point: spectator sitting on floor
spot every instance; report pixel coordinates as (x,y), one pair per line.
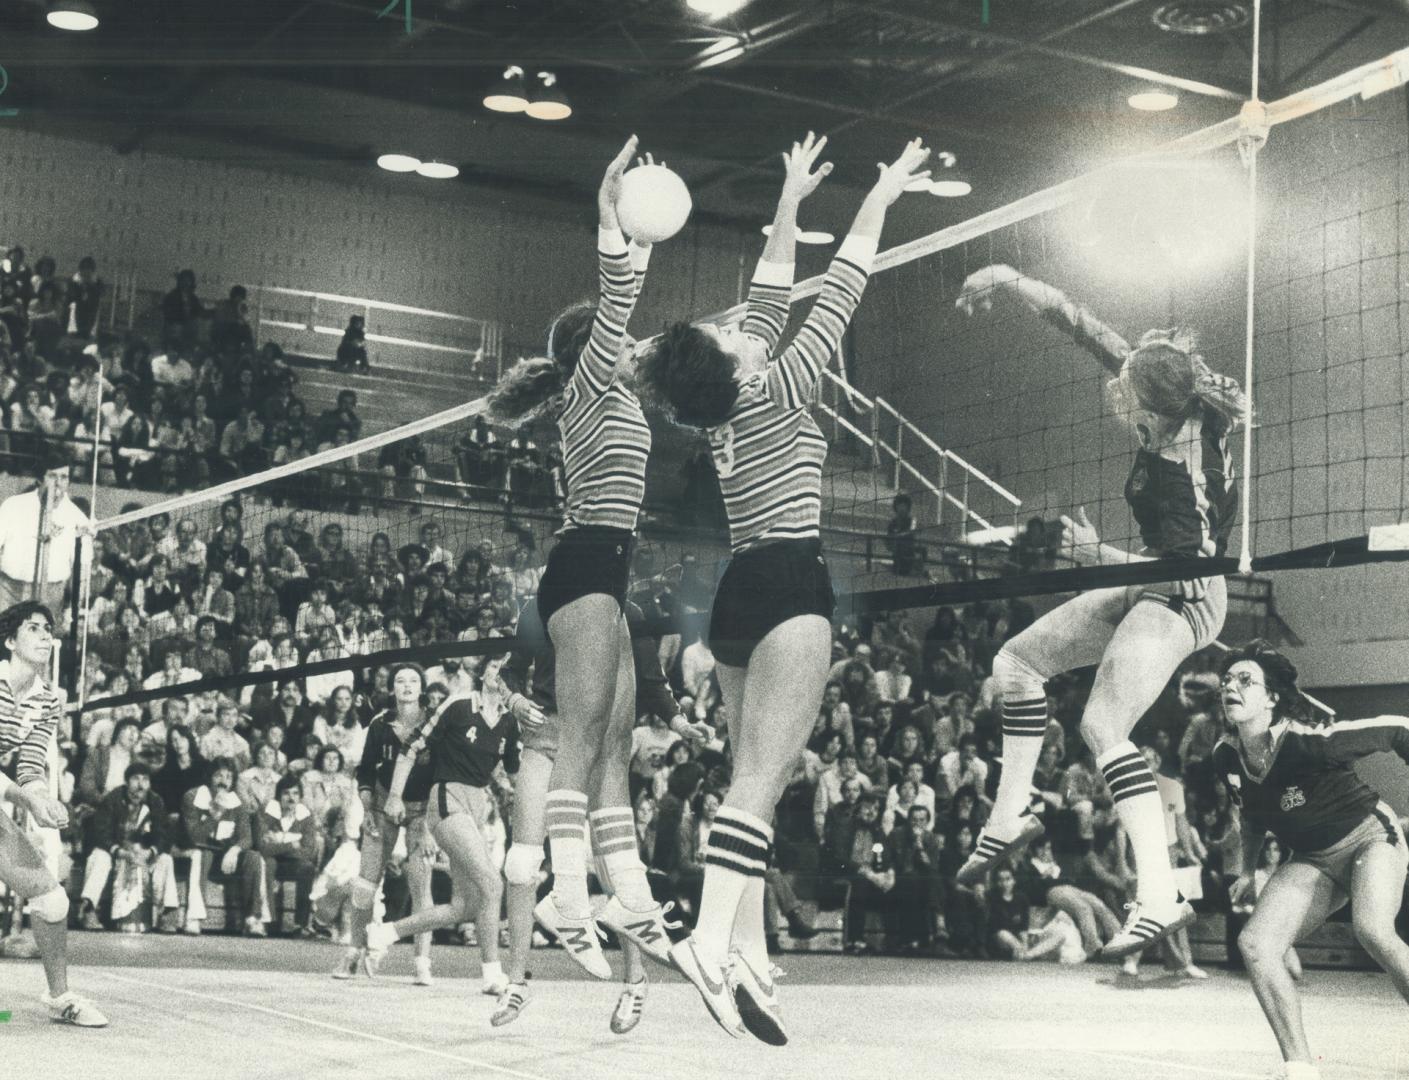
(916,853)
(130,845)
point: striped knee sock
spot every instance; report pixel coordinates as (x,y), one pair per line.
(749,934)
(566,816)
(614,841)
(1141,811)
(1024,726)
(736,853)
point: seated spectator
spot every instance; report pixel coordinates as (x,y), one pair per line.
(1041,878)
(896,806)
(258,785)
(900,538)
(219,827)
(870,764)
(158,592)
(256,604)
(227,554)
(130,849)
(223,741)
(345,732)
(106,765)
(173,672)
(83,298)
(320,687)
(183,769)
(829,788)
(151,748)
(181,310)
(343,414)
(893,682)
(315,615)
(916,853)
(172,373)
(215,602)
(352,349)
(1008,915)
(230,330)
(870,877)
(187,555)
(288,844)
(964,768)
(209,658)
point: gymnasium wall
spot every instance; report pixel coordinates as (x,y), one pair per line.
(439,245)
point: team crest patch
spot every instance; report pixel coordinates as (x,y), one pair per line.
(1292,798)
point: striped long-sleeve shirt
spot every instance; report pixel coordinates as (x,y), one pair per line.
(606,440)
(28,724)
(769,454)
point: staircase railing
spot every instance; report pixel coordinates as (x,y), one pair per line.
(896,444)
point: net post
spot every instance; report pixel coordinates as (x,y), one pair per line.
(943,488)
(1252,137)
(899,449)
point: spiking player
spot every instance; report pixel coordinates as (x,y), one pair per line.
(1297,781)
(1183,497)
(30,712)
(532,700)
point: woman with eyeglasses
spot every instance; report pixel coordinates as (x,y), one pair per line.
(1182,494)
(1297,781)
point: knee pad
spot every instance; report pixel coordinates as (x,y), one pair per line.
(522,863)
(52,907)
(1015,676)
(364,894)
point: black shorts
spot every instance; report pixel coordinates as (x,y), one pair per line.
(584,561)
(764,587)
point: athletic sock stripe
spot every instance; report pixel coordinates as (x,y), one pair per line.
(610,812)
(737,845)
(567,795)
(1125,769)
(1026,707)
(608,847)
(1131,792)
(614,831)
(763,835)
(725,861)
(730,828)
(1023,730)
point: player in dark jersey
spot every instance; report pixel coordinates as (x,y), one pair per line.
(528,678)
(1297,781)
(467,738)
(387,734)
(30,712)
(1182,494)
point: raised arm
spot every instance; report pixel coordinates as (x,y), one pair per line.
(618,285)
(1346,740)
(1051,304)
(793,378)
(770,292)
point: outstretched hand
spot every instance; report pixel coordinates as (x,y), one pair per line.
(1080,541)
(801,180)
(903,171)
(610,190)
(980,287)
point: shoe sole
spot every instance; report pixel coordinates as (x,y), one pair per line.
(620,1030)
(970,873)
(691,971)
(761,1023)
(1121,952)
(495,1021)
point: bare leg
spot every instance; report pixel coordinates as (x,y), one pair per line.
(474,878)
(1069,899)
(1376,889)
(1296,901)
(530,789)
(23,871)
(418,880)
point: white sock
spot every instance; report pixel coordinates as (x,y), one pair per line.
(737,851)
(614,841)
(748,934)
(1024,728)
(566,814)
(1141,812)
(491,971)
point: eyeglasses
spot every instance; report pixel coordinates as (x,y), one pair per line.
(1243,678)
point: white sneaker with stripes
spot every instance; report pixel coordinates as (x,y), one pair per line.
(1147,924)
(648,929)
(627,1013)
(996,843)
(71,1008)
(578,937)
(512,1001)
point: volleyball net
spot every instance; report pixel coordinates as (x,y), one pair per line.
(994,422)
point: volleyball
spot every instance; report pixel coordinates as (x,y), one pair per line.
(654,204)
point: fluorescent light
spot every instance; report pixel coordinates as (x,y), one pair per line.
(1153,100)
(72,15)
(816,236)
(399,163)
(716,9)
(437,170)
(721,52)
(952,188)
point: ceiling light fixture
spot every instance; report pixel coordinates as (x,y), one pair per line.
(72,15)
(549,102)
(1155,99)
(437,170)
(508,95)
(716,9)
(730,47)
(399,163)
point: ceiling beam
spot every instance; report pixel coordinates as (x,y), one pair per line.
(1323,54)
(929,22)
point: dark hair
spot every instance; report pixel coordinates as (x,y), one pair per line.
(137,768)
(526,388)
(286,783)
(14,616)
(690,376)
(223,763)
(204,621)
(329,748)
(684,779)
(1279,673)
(121,726)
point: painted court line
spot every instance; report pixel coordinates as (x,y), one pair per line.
(1137,1060)
(430,1051)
